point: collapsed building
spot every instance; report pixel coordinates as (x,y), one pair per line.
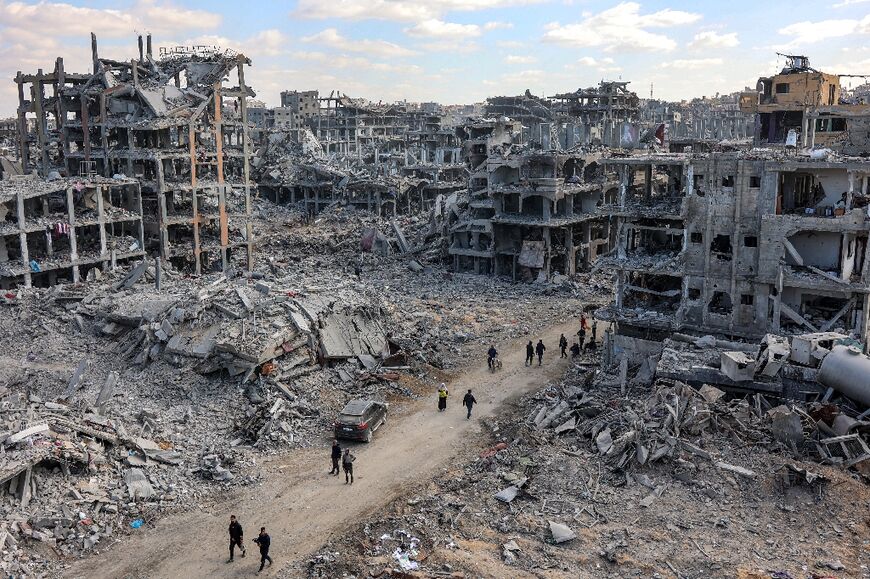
(168,122)
(802,106)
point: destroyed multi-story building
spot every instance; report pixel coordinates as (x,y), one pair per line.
(167,121)
(802,106)
(738,244)
(60,230)
(700,119)
(597,114)
(530,213)
(433,158)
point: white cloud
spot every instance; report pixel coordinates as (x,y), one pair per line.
(434,28)
(333,39)
(692,63)
(515,59)
(807,32)
(449,46)
(712,39)
(621,28)
(265,43)
(61,19)
(590,61)
(498,25)
(845,3)
(354,62)
(510,44)
(401,10)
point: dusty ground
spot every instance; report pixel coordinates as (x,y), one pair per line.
(303,507)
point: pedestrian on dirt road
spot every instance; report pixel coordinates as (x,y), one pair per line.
(491,355)
(236,537)
(540,348)
(347,465)
(530,353)
(581,335)
(442,397)
(584,323)
(468,401)
(594,330)
(575,350)
(336,456)
(264,541)
(563,345)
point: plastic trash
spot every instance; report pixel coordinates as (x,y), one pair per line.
(137,523)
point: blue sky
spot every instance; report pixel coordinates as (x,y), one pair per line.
(455,51)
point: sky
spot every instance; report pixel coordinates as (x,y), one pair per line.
(454,51)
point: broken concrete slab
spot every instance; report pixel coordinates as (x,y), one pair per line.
(561,533)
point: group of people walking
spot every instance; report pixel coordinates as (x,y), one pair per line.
(263,541)
(575,349)
(468,401)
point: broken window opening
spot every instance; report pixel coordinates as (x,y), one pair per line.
(720,304)
(696,237)
(721,247)
(747,299)
(728,181)
(694,293)
(782,88)
(754,181)
(750,241)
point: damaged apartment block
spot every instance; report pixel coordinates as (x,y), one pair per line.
(169,123)
(67,230)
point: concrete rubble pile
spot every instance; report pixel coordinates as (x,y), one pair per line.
(588,481)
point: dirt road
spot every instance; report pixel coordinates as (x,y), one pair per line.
(302,506)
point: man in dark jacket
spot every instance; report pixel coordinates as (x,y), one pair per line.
(336,456)
(575,350)
(468,401)
(491,356)
(563,345)
(540,350)
(236,537)
(530,353)
(264,541)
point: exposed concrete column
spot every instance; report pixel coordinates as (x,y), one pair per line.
(22,239)
(36,91)
(246,151)
(623,184)
(164,215)
(101,221)
(74,253)
(804,124)
(197,249)
(850,193)
(222,204)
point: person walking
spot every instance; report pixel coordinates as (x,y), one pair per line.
(442,397)
(563,345)
(491,355)
(584,323)
(594,329)
(540,348)
(264,541)
(347,465)
(236,537)
(530,353)
(468,401)
(336,456)
(581,335)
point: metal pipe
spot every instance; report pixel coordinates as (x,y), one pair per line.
(847,371)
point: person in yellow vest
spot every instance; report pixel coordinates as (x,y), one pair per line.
(442,397)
